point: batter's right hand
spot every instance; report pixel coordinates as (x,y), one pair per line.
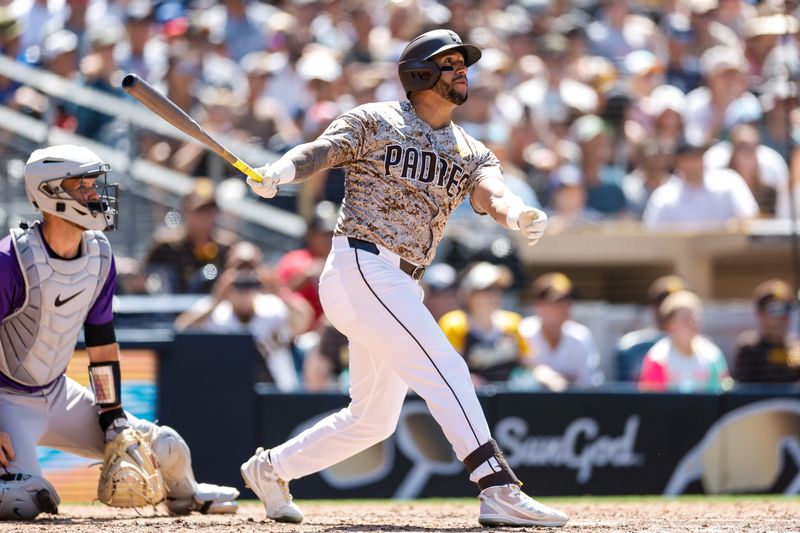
(268,187)
(6,450)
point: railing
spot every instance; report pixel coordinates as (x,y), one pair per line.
(141,177)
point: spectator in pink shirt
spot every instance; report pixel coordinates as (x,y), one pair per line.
(684,360)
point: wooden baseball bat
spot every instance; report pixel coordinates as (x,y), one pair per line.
(166,109)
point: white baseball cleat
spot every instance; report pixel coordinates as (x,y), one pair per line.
(507,505)
(259,475)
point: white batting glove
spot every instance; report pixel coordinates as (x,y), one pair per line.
(268,187)
(532,223)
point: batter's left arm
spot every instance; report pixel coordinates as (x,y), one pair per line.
(493,197)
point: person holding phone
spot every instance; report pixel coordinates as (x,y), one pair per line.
(247,298)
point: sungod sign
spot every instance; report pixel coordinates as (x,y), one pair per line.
(581,447)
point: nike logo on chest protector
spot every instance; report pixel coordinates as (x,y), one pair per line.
(60,302)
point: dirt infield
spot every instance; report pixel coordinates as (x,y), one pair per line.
(708,516)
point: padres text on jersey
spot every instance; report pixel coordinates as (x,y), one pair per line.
(403,177)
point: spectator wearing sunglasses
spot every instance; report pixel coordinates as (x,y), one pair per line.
(767,355)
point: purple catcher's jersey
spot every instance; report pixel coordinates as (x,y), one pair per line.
(12,288)
(403,177)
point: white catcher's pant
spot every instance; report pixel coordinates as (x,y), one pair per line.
(395,344)
(62,417)
(65,417)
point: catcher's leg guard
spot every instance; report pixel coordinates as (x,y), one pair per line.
(184,493)
(24,496)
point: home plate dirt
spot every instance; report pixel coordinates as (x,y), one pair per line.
(763,515)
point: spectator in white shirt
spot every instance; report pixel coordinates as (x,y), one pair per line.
(564,352)
(761,167)
(724,71)
(245,299)
(697,197)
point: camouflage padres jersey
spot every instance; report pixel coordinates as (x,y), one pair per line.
(403,177)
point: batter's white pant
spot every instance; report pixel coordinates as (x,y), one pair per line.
(395,344)
(62,417)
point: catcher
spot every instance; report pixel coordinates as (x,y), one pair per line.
(55,277)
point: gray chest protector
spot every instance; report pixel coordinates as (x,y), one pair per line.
(37,340)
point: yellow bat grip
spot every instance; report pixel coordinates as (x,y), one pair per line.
(248,170)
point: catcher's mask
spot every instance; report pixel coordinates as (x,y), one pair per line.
(48,169)
(416,69)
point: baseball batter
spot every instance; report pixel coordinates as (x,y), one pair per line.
(408,167)
(57,277)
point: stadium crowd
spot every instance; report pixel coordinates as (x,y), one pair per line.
(677,113)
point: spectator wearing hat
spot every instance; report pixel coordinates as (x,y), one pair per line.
(665,108)
(322,73)
(779,100)
(60,53)
(10,38)
(645,72)
(564,351)
(723,70)
(762,168)
(485,335)
(631,348)
(263,117)
(188,258)
(767,354)
(98,70)
(696,197)
(246,298)
(60,56)
(761,35)
(441,289)
(597,72)
(684,360)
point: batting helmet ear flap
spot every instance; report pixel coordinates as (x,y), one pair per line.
(417,71)
(418,74)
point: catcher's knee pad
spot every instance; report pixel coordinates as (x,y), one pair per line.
(184,493)
(174,457)
(174,461)
(24,496)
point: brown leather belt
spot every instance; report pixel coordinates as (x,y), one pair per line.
(411,269)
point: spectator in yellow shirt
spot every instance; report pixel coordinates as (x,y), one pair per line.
(484,334)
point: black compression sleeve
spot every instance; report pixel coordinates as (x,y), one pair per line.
(99,334)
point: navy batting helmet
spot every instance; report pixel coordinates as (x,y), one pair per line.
(417,71)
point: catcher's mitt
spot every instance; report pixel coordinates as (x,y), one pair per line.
(130,476)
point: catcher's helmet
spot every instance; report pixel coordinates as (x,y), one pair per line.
(47,168)
(416,70)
